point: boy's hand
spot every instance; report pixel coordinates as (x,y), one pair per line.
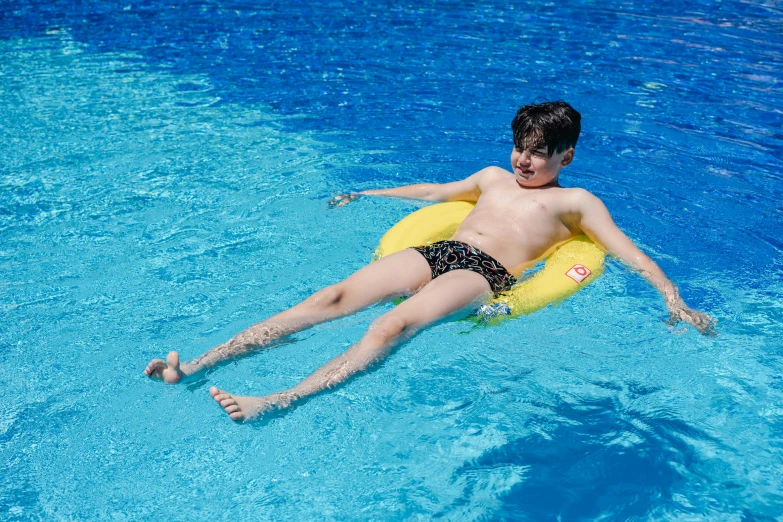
(343,199)
(703,322)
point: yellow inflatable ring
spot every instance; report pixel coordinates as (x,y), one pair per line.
(574,265)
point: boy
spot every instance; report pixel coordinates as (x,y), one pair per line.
(519,218)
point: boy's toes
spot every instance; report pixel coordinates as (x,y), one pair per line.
(221,397)
(167,370)
(172,373)
(154,368)
(228,403)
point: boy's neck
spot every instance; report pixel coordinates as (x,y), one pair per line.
(555,183)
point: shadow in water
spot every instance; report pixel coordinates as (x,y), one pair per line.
(599,462)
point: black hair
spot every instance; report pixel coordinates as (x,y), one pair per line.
(553,124)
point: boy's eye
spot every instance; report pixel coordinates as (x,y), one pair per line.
(539,153)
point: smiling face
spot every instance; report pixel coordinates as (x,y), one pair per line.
(534,168)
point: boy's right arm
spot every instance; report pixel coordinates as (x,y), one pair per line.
(468,189)
(597,223)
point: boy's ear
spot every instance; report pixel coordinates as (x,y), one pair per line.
(567,158)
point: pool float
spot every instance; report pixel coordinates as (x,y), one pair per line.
(571,267)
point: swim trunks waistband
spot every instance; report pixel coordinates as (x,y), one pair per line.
(445,256)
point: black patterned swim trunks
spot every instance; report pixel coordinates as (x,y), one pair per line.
(445,256)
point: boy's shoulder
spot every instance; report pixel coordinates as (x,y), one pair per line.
(576,199)
(490,177)
(582,201)
(577,192)
(493,170)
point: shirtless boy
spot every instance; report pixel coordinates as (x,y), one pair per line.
(519,218)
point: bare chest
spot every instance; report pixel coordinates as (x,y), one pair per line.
(531,210)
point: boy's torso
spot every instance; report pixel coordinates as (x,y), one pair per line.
(519,226)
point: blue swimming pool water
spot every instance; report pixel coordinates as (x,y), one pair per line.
(164,173)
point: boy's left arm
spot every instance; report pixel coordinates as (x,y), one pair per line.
(597,223)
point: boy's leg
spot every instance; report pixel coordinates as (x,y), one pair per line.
(398,274)
(440,298)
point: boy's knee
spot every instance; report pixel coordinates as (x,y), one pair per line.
(389,326)
(329,297)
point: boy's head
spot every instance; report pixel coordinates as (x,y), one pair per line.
(544,138)
(554,126)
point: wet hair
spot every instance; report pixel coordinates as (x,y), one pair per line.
(553,124)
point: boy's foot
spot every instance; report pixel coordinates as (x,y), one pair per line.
(169,371)
(243,409)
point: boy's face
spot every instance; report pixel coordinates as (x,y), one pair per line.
(533,168)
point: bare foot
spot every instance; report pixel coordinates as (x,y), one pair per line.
(243,409)
(169,371)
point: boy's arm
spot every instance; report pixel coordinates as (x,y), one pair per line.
(468,189)
(597,223)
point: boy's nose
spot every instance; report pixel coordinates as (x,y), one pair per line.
(524,157)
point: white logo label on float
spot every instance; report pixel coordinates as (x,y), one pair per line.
(579,273)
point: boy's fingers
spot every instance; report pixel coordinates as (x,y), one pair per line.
(342,199)
(702,322)
(709,330)
(705,324)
